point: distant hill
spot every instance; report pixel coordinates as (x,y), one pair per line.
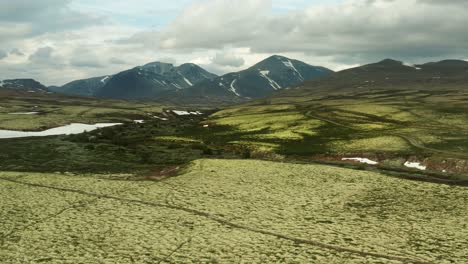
(22,86)
(263,79)
(29,85)
(388,74)
(85,87)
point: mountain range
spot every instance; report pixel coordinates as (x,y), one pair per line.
(276,75)
(261,80)
(164,81)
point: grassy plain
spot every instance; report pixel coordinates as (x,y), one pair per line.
(55,110)
(224,211)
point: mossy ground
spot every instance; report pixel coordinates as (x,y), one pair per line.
(89,218)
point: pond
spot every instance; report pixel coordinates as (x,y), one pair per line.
(74,128)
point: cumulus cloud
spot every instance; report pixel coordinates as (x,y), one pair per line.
(32,17)
(226,59)
(56,42)
(225,21)
(16,52)
(42,55)
(353,31)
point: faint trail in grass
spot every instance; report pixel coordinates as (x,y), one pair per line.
(309,114)
(224,222)
(418,144)
(166,259)
(42,220)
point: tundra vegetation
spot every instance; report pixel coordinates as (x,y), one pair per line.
(220,211)
(195,186)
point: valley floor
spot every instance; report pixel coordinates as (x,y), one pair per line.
(225,211)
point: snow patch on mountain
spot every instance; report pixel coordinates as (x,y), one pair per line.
(290,65)
(187,81)
(233,89)
(103,80)
(272,82)
(411,65)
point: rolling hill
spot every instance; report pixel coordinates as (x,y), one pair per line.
(29,85)
(388,74)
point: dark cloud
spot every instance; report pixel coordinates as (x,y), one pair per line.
(16,52)
(226,59)
(3,54)
(41,55)
(117,61)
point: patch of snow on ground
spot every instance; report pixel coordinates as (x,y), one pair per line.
(180,113)
(415,165)
(233,89)
(188,82)
(272,82)
(290,65)
(160,118)
(24,113)
(103,80)
(362,160)
(177,86)
(74,128)
(139,121)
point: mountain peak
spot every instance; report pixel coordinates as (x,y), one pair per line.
(262,79)
(390,62)
(158,67)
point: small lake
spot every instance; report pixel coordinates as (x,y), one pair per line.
(74,128)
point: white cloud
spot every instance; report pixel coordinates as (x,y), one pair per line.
(86,38)
(228,59)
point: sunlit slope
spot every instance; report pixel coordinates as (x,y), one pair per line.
(390,128)
(232,211)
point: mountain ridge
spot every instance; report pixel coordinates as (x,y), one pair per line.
(260,80)
(388,74)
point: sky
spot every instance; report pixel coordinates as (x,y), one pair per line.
(57,41)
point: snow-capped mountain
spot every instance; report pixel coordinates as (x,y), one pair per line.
(142,82)
(150,80)
(262,79)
